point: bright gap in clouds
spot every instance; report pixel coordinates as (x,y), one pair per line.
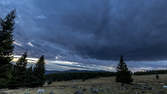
(61,65)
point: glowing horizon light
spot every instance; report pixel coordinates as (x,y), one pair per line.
(62,62)
(30,60)
(68,65)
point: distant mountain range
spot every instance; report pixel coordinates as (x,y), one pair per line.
(72,71)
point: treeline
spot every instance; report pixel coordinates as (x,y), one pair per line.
(32,76)
(65,76)
(150,72)
(123,74)
(16,75)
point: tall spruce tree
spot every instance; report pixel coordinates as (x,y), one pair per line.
(29,77)
(39,71)
(123,75)
(6,47)
(20,73)
(13,83)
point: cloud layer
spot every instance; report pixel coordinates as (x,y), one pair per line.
(100,29)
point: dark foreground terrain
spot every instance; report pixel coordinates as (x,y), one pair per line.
(142,85)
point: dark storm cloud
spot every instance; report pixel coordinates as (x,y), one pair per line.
(107,29)
(101,29)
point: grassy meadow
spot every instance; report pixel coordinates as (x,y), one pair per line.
(146,84)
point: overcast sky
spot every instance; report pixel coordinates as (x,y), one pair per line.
(97,29)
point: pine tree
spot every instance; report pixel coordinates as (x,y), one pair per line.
(29,76)
(21,70)
(13,83)
(22,62)
(39,71)
(6,47)
(123,75)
